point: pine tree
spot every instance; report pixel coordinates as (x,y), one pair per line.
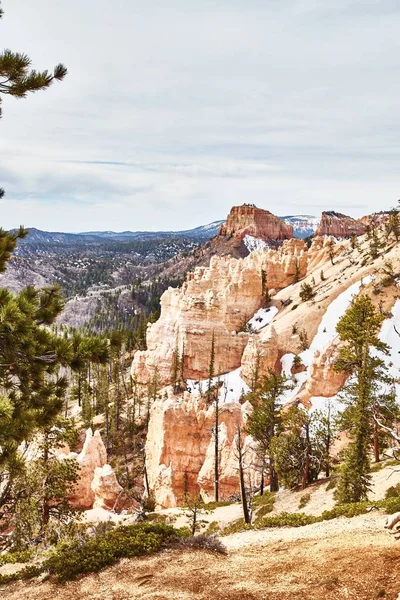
(393,223)
(17,79)
(263,423)
(211,367)
(296,450)
(331,250)
(359,328)
(326,421)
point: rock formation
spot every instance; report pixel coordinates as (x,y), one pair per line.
(105,488)
(250,220)
(215,302)
(339,225)
(97,482)
(180,448)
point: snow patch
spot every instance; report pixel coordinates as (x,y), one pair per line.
(252,243)
(287,364)
(262,317)
(233,386)
(325,335)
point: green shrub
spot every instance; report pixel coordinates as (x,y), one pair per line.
(266,498)
(27,572)
(304,500)
(332,484)
(391,505)
(306,292)
(377,467)
(89,555)
(212,528)
(265,510)
(286,519)
(16,557)
(346,510)
(214,505)
(235,527)
(393,491)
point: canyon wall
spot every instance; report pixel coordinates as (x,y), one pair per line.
(250,220)
(339,225)
(180,448)
(215,303)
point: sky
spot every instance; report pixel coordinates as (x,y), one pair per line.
(173,112)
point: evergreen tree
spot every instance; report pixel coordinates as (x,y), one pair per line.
(263,423)
(17,79)
(326,421)
(296,450)
(359,328)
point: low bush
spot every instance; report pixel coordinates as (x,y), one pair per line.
(393,491)
(304,500)
(266,498)
(214,505)
(27,572)
(265,510)
(285,519)
(346,510)
(16,557)
(235,527)
(73,559)
(391,505)
(212,528)
(332,484)
(210,543)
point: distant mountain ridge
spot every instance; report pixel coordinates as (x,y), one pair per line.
(303,226)
(200,234)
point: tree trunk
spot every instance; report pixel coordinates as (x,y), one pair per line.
(273,476)
(376,442)
(306,471)
(216,450)
(246,513)
(262,477)
(45,500)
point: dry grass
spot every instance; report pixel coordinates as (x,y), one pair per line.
(361,564)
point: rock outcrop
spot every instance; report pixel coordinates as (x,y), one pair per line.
(105,488)
(339,225)
(215,303)
(180,448)
(97,482)
(256,222)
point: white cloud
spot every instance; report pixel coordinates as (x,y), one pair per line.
(173,112)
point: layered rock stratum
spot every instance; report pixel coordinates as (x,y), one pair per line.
(256,222)
(339,225)
(227,302)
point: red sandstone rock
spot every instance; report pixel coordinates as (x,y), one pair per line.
(339,225)
(250,220)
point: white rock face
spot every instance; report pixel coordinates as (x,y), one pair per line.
(105,487)
(92,455)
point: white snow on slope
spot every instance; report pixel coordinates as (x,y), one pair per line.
(233,386)
(326,334)
(389,336)
(252,243)
(262,317)
(287,364)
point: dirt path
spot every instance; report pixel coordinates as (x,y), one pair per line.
(341,559)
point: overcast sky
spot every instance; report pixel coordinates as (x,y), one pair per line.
(173,112)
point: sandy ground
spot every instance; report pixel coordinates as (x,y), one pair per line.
(342,559)
(286,501)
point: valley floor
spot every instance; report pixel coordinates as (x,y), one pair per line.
(340,559)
